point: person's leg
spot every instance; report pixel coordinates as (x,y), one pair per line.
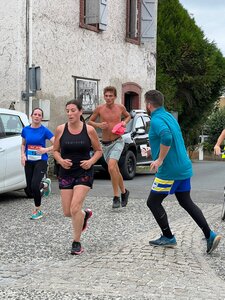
(195,212)
(72,202)
(116,177)
(77,214)
(40,168)
(112,155)
(29,168)
(184,199)
(154,203)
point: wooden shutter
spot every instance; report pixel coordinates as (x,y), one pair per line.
(103,15)
(148,19)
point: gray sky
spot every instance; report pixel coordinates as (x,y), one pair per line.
(209,15)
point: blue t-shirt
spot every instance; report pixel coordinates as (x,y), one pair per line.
(36,138)
(165,130)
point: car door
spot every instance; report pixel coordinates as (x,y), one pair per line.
(2,154)
(141,138)
(12,172)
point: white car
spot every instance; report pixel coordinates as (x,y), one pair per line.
(12,175)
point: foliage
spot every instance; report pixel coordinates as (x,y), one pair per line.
(214,126)
(190,69)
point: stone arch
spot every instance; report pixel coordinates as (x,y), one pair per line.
(131,95)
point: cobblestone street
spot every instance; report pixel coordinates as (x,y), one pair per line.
(118,262)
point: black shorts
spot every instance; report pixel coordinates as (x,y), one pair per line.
(68,182)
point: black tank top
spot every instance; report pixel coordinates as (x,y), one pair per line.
(76,147)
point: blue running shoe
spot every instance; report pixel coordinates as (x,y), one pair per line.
(47,186)
(163,241)
(37,214)
(212,242)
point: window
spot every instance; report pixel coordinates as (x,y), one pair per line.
(147,123)
(93,14)
(10,125)
(133,21)
(139,123)
(141,21)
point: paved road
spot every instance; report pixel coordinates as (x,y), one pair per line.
(118,262)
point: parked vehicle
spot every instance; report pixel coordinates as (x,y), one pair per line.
(135,137)
(12,175)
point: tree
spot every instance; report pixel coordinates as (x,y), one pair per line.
(190,69)
(213,127)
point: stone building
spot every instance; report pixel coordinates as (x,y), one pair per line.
(81,46)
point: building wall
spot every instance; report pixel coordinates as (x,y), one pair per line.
(12,51)
(62,49)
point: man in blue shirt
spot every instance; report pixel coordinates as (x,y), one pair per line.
(173,172)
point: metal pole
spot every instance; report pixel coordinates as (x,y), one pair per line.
(27,56)
(30,49)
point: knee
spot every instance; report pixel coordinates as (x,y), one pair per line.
(111,169)
(74,210)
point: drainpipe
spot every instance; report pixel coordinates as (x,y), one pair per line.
(28,54)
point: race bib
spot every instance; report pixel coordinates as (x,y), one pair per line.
(32,153)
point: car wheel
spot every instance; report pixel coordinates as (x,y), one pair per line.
(128,166)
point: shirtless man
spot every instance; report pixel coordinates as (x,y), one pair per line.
(109,115)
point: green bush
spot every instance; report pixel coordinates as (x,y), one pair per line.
(214,126)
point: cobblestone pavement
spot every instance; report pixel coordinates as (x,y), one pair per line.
(118,262)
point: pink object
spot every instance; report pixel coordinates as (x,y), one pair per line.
(119,129)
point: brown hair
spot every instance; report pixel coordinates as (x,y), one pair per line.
(38,109)
(78,105)
(110,89)
(154,97)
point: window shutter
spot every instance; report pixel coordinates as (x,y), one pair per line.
(92,12)
(103,15)
(148,19)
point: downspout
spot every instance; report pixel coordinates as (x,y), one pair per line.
(30,47)
(28,54)
(27,57)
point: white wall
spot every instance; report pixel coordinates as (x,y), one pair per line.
(12,51)
(62,49)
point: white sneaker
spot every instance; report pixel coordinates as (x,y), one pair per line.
(47,186)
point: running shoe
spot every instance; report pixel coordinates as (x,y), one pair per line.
(124,198)
(88,215)
(116,202)
(37,214)
(164,241)
(47,186)
(76,248)
(212,242)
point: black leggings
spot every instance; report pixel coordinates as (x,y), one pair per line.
(34,172)
(155,200)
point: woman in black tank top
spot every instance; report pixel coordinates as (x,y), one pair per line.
(74,142)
